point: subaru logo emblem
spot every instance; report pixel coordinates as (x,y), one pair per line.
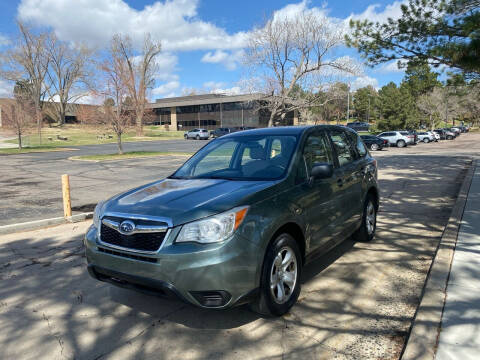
(127,227)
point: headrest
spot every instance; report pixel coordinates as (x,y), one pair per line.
(257,153)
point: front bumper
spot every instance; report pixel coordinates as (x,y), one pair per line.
(211,276)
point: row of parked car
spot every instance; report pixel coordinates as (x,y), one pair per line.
(203,134)
(404,138)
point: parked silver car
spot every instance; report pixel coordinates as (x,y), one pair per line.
(425,137)
(398,138)
(199,134)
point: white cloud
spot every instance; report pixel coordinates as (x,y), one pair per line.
(229,59)
(6,89)
(166,88)
(4,40)
(363,81)
(209,85)
(235,90)
(390,67)
(392,11)
(173,22)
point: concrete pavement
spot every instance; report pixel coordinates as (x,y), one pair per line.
(460,327)
(357,302)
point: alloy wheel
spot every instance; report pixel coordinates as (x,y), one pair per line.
(283,275)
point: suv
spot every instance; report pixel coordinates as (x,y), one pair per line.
(237,222)
(397,138)
(426,137)
(197,134)
(445,134)
(219,132)
(358,126)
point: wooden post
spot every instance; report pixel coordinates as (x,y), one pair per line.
(67,207)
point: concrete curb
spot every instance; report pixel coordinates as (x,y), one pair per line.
(39,224)
(425,330)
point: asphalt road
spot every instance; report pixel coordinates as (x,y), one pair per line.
(357,302)
(30,184)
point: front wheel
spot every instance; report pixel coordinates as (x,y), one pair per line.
(280,281)
(197,137)
(426,140)
(374,147)
(366,231)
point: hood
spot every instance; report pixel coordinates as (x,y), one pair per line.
(184,200)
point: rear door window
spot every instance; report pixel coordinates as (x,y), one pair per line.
(317,149)
(345,153)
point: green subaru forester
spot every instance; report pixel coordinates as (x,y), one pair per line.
(238,221)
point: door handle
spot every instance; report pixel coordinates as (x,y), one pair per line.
(340,182)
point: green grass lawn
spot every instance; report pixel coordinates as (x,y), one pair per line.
(128,155)
(13,151)
(78,135)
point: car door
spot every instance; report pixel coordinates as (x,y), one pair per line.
(316,199)
(349,181)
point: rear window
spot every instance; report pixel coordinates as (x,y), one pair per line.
(404,132)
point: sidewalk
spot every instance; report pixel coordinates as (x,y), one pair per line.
(460,327)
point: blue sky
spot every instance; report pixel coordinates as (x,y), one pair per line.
(202,39)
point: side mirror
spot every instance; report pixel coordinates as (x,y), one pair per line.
(321,171)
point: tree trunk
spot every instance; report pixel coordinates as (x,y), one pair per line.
(119,143)
(272,116)
(139,124)
(19,140)
(38,113)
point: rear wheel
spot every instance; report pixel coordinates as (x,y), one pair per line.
(280,281)
(374,147)
(449,137)
(366,231)
(426,140)
(198,137)
(401,143)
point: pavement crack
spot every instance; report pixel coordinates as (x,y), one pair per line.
(56,335)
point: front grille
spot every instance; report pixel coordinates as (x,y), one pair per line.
(128,256)
(140,241)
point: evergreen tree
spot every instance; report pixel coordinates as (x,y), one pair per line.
(438,31)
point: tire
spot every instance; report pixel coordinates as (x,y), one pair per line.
(185,136)
(366,231)
(197,137)
(268,302)
(449,137)
(401,143)
(374,147)
(426,140)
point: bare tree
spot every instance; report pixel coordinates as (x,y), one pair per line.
(292,52)
(67,74)
(20,117)
(27,62)
(431,104)
(140,71)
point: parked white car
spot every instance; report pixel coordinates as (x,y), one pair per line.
(425,137)
(435,135)
(397,138)
(197,134)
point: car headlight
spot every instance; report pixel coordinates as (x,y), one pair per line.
(96,214)
(213,229)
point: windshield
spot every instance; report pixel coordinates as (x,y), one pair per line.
(264,157)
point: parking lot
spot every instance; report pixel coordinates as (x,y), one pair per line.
(357,301)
